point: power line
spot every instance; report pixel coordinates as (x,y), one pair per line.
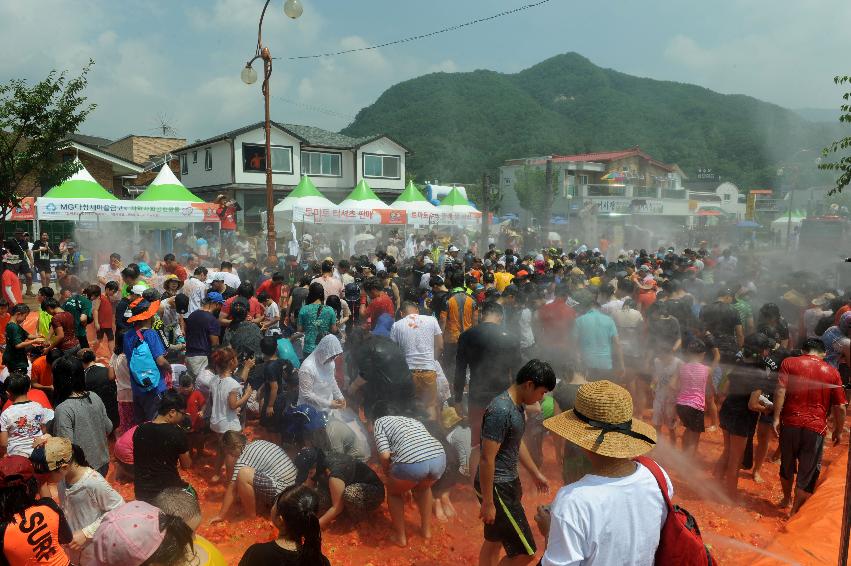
(314,108)
(417,37)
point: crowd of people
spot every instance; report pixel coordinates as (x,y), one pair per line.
(321,388)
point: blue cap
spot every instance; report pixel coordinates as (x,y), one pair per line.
(215,297)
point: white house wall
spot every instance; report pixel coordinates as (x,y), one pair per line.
(220,174)
(383,146)
(258,136)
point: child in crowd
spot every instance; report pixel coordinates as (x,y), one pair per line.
(44,317)
(691,394)
(666,368)
(124,392)
(105,314)
(21,511)
(271,325)
(24,420)
(41,369)
(84,495)
(299,537)
(195,403)
(225,398)
(18,340)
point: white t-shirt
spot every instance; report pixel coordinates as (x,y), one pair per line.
(196,290)
(273,311)
(23,422)
(230,279)
(612,306)
(604,521)
(415,335)
(222,417)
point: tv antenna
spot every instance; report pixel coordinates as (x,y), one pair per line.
(164,126)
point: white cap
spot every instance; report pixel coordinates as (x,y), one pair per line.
(138,289)
(453,248)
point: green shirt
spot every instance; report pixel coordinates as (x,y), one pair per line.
(79,305)
(745,311)
(15,358)
(316,324)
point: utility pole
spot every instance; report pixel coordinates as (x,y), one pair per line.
(486,189)
(546,217)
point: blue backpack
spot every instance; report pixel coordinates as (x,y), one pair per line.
(143,367)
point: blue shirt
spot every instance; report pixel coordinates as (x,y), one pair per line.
(287,352)
(158,349)
(593,333)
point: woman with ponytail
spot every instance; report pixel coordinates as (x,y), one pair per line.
(299,541)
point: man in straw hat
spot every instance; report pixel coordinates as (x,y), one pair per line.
(497,481)
(614,514)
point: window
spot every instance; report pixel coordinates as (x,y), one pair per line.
(321,163)
(208,159)
(726,196)
(384,166)
(184,166)
(254,158)
(583,179)
(195,156)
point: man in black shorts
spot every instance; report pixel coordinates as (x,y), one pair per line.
(497,480)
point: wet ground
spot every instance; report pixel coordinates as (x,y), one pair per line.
(737,533)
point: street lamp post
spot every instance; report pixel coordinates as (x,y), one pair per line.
(293,9)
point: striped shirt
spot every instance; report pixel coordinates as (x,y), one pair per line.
(270,460)
(406,439)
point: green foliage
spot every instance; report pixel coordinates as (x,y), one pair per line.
(35,122)
(531,188)
(460,125)
(843,164)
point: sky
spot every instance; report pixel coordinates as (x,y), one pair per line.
(179,61)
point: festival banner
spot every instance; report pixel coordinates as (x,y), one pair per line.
(125,210)
(24,211)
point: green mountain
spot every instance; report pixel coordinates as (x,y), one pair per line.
(459,125)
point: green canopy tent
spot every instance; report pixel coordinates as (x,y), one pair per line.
(362,198)
(412,199)
(167,187)
(80,185)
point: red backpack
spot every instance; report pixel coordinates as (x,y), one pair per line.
(680,543)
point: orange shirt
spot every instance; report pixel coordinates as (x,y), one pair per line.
(10,279)
(41,372)
(36,535)
(452,329)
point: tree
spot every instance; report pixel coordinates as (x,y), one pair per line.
(35,122)
(843,164)
(530,184)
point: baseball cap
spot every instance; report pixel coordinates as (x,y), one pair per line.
(15,470)
(128,535)
(522,273)
(138,289)
(51,455)
(215,297)
(453,248)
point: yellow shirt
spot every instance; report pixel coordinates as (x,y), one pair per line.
(502,279)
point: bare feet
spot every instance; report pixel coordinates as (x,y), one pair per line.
(399,540)
(711,428)
(426,533)
(440,514)
(758,478)
(449,509)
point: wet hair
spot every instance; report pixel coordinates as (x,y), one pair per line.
(813,345)
(297,508)
(343,264)
(16,498)
(110,286)
(200,270)
(226,265)
(263,296)
(456,279)
(407,304)
(169,257)
(245,289)
(181,303)
(492,308)
(769,311)
(119,344)
(68,376)
(78,456)
(20,308)
(540,373)
(277,277)
(171,400)
(232,439)
(48,292)
(114,256)
(221,358)
(627,286)
(316,292)
(17,384)
(87,355)
(327,266)
(186,380)
(305,280)
(755,344)
(49,303)
(129,273)
(372,284)
(178,502)
(334,302)
(696,346)
(177,545)
(268,345)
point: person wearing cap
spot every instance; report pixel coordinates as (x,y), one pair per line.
(138,533)
(614,514)
(145,401)
(203,331)
(24,517)
(497,481)
(84,495)
(171,285)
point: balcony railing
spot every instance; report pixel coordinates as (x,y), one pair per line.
(645,192)
(605,191)
(674,193)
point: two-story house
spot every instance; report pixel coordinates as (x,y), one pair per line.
(234,163)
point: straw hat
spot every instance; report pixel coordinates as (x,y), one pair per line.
(601,421)
(449,418)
